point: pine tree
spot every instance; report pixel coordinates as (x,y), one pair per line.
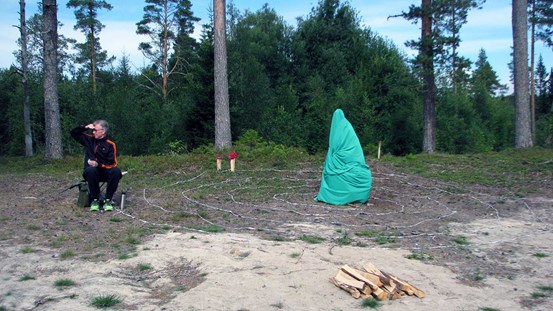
(90,52)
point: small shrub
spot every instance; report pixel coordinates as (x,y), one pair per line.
(64,283)
(461,240)
(311,239)
(545,288)
(133,241)
(370,303)
(67,254)
(419,256)
(538,295)
(367,233)
(27,250)
(489,309)
(144,266)
(26,277)
(479,277)
(345,239)
(115,219)
(295,255)
(540,255)
(278,305)
(105,301)
(33,227)
(212,229)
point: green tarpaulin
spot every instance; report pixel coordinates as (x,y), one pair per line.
(346,177)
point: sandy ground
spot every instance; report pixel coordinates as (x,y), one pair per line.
(243,272)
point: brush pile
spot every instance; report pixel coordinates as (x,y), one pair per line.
(372,282)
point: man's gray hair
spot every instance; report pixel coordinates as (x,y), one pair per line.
(103,123)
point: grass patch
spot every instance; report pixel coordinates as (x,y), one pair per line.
(64,283)
(27,250)
(379,237)
(209,228)
(67,254)
(144,267)
(419,256)
(59,241)
(479,277)
(461,240)
(105,301)
(538,295)
(540,255)
(510,168)
(370,303)
(115,219)
(546,288)
(33,227)
(311,239)
(544,292)
(26,277)
(131,240)
(345,239)
(367,233)
(278,238)
(278,305)
(295,255)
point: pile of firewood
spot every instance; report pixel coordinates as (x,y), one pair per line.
(373,282)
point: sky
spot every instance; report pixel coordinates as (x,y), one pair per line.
(488,28)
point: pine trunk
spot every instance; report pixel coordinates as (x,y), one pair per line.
(223,137)
(429,88)
(25,83)
(53,148)
(523,114)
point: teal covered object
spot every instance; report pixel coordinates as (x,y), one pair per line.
(346,177)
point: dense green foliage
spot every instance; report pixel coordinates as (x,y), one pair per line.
(284,84)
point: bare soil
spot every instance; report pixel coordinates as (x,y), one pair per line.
(468,247)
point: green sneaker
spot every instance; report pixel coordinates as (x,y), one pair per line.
(108,205)
(95,205)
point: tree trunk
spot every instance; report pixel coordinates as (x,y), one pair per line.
(523,114)
(165,56)
(53,148)
(532,70)
(223,137)
(429,88)
(25,83)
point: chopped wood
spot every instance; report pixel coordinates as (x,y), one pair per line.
(376,290)
(347,279)
(350,289)
(373,282)
(408,288)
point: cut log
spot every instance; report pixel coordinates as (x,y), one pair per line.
(350,289)
(405,286)
(372,277)
(347,279)
(373,282)
(369,267)
(376,290)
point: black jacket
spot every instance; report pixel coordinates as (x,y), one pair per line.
(101,150)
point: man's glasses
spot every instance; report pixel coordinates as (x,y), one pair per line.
(96,130)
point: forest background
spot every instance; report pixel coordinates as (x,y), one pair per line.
(284,84)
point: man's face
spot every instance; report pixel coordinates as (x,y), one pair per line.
(98,131)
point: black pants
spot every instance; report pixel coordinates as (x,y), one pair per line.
(94,176)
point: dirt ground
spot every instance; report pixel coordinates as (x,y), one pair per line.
(477,247)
